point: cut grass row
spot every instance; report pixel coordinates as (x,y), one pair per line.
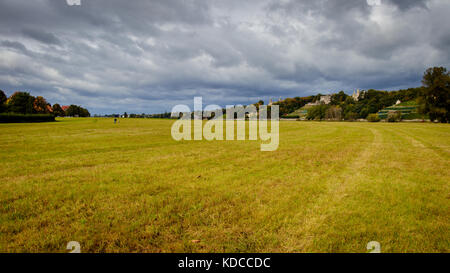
(330,187)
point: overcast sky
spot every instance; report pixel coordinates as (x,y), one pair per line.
(140,56)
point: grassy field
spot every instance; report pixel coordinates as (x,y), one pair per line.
(128,187)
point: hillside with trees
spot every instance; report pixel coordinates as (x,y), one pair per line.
(432,100)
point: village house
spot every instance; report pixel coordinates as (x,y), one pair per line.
(326,99)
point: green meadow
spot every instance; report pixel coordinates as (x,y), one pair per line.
(129,187)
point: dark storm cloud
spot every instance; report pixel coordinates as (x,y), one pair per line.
(14,45)
(407,4)
(146,56)
(41,36)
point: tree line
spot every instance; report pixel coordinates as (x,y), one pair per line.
(433,99)
(26,104)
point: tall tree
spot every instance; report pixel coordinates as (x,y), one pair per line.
(333,113)
(20,102)
(3,99)
(57,110)
(435,99)
(73,111)
(40,105)
(77,111)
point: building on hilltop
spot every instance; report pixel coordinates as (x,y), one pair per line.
(356,95)
(325,99)
(271,102)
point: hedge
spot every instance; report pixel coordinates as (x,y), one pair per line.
(16,118)
(292,116)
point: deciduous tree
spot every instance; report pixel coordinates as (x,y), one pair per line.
(20,102)
(40,105)
(435,99)
(58,111)
(3,99)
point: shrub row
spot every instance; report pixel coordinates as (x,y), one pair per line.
(15,118)
(292,116)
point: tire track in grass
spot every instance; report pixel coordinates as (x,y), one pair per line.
(413,193)
(414,142)
(338,187)
(418,142)
(421,145)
